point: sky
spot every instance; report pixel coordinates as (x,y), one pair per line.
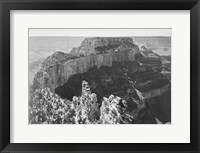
(100,32)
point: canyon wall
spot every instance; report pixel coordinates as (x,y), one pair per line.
(58,73)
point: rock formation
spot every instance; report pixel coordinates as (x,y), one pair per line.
(100,45)
(60,66)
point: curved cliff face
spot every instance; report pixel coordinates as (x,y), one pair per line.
(58,72)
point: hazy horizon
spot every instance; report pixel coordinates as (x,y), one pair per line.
(105,32)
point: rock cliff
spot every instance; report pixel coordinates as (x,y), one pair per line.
(60,66)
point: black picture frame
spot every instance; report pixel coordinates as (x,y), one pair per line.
(7,5)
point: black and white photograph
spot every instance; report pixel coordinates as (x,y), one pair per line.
(84,78)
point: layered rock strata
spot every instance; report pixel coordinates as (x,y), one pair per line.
(59,71)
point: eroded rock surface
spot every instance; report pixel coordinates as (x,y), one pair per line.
(61,66)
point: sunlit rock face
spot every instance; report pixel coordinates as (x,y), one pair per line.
(60,66)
